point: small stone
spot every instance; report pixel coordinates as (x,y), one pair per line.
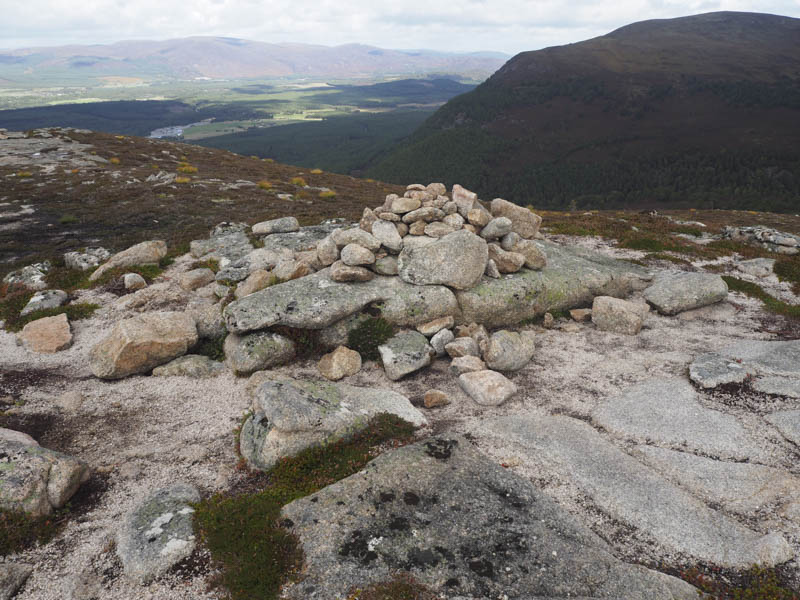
(618,316)
(257,351)
(491,269)
(388,235)
(145,253)
(535,258)
(340,363)
(435,399)
(286,270)
(450,208)
(386,265)
(401,206)
(685,291)
(368,219)
(437,229)
(509,350)
(509,240)
(282,225)
(478,217)
(402,229)
(462,346)
(436,188)
(581,315)
(355,235)
(310,258)
(405,353)
(440,340)
(43,300)
(88,259)
(507,262)
(354,255)
(415,186)
(47,335)
(257,280)
(389,216)
(548,322)
(487,388)
(524,222)
(343,273)
(327,251)
(427,214)
(464,199)
(417,228)
(455,221)
(496,228)
(133,282)
(196,278)
(430,328)
(466,364)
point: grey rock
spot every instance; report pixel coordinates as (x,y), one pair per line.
(525,223)
(455,221)
(354,255)
(457,260)
(191,365)
(632,493)
(12,578)
(572,278)
(209,322)
(386,233)
(684,291)
(788,423)
(158,533)
(43,300)
(315,302)
(336,335)
(757,267)
(737,487)
(355,235)
(343,273)
(506,262)
(437,229)
(227,243)
(256,351)
(487,388)
(535,258)
(509,350)
(710,370)
(448,514)
(510,240)
(300,241)
(401,206)
(491,269)
(466,364)
(133,282)
(37,480)
(144,253)
(440,339)
(431,328)
(327,251)
(386,265)
(417,241)
(496,228)
(462,346)
(617,315)
(465,200)
(291,415)
(405,353)
(87,259)
(778,386)
(196,278)
(30,277)
(667,412)
(282,225)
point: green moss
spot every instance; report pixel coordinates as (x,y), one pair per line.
(255,554)
(772,304)
(19,531)
(788,269)
(211,263)
(668,257)
(213,348)
(757,583)
(367,336)
(400,587)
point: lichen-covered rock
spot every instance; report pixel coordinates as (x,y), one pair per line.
(31,277)
(509,350)
(145,253)
(47,335)
(617,315)
(684,291)
(133,282)
(344,273)
(463,526)
(387,234)
(43,300)
(466,364)
(405,353)
(256,281)
(487,388)
(37,480)
(190,365)
(256,351)
(290,415)
(354,255)
(87,259)
(138,344)
(456,260)
(282,225)
(524,222)
(496,228)
(158,533)
(196,278)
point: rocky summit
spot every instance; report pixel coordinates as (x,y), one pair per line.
(449,395)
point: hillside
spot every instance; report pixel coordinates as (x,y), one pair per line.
(227,58)
(698,111)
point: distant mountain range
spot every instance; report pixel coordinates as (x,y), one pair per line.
(697,111)
(232,58)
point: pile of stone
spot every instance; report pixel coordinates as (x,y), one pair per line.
(769,239)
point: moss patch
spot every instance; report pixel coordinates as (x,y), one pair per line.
(213,348)
(772,304)
(757,583)
(788,269)
(367,336)
(400,587)
(255,554)
(19,530)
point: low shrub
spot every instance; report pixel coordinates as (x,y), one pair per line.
(184,168)
(367,336)
(68,219)
(757,583)
(327,194)
(182,180)
(298,181)
(114,160)
(402,586)
(24,174)
(316,171)
(788,269)
(213,348)
(264,184)
(19,531)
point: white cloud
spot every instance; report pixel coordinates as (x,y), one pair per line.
(505,25)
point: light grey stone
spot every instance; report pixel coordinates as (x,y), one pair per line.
(31,277)
(535,258)
(386,233)
(438,229)
(788,423)
(327,251)
(315,302)
(12,577)
(455,222)
(354,255)
(572,278)
(757,267)
(466,364)
(778,386)
(487,388)
(355,235)
(282,225)
(462,346)
(465,200)
(89,258)
(133,282)
(457,260)
(491,269)
(525,223)
(290,415)
(673,294)
(256,351)
(43,300)
(190,365)
(37,480)
(634,494)
(405,353)
(196,278)
(509,350)
(506,262)
(448,514)
(425,214)
(386,265)
(510,240)
(440,339)
(496,228)
(158,533)
(303,240)
(404,205)
(667,412)
(710,370)
(145,253)
(617,315)
(343,273)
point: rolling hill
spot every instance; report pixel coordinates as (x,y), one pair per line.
(697,111)
(231,58)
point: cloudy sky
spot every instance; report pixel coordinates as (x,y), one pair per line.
(465,25)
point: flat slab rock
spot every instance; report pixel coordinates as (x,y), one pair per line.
(158,533)
(636,495)
(667,412)
(290,415)
(460,524)
(673,294)
(405,353)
